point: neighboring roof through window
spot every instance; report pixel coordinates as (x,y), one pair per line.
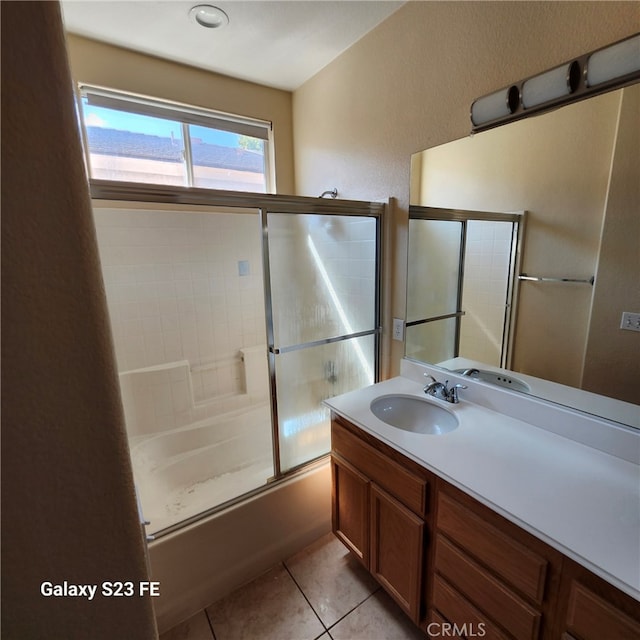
(138,139)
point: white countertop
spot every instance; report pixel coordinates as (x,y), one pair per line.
(578,499)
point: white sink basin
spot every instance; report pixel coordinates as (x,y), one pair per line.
(413,414)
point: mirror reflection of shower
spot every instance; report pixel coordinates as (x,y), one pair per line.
(462,285)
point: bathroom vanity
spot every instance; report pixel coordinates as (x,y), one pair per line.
(501,527)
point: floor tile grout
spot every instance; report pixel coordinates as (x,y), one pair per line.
(353,609)
(304,595)
(327,628)
(301,568)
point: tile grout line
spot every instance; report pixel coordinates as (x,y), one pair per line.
(328,628)
(352,610)
(304,595)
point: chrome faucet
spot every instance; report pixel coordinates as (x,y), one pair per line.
(470,372)
(442,391)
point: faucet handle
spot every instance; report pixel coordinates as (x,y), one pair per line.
(453,392)
(429,386)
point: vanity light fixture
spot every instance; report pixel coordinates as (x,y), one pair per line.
(495,106)
(602,70)
(611,63)
(206,15)
(551,85)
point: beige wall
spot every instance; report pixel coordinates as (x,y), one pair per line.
(408,85)
(617,287)
(116,68)
(68,503)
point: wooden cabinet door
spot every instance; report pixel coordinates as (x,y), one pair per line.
(397,541)
(350,508)
(592,617)
(592,609)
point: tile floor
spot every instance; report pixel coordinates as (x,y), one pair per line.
(320,593)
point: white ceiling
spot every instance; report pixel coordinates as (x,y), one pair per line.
(279,44)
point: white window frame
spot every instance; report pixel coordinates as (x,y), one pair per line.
(185,115)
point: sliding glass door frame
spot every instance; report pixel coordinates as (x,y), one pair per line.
(343,209)
(264,204)
(518,220)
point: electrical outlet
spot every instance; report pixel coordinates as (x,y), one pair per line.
(398,329)
(630,321)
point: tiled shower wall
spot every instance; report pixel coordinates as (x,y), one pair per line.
(348,250)
(326,269)
(305,309)
(184,285)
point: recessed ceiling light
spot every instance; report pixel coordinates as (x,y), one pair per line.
(206,15)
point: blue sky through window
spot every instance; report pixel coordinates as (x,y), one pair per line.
(123,121)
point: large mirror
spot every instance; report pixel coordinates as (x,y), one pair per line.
(576,173)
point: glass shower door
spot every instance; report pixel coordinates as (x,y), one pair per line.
(185,291)
(434,289)
(323,333)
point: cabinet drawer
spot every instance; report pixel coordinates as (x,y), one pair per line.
(466,618)
(486,593)
(436,626)
(589,617)
(409,488)
(511,561)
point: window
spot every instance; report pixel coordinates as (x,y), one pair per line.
(135,139)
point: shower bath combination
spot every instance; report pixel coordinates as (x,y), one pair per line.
(183,471)
(231,324)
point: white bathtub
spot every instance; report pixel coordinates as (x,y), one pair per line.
(184,471)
